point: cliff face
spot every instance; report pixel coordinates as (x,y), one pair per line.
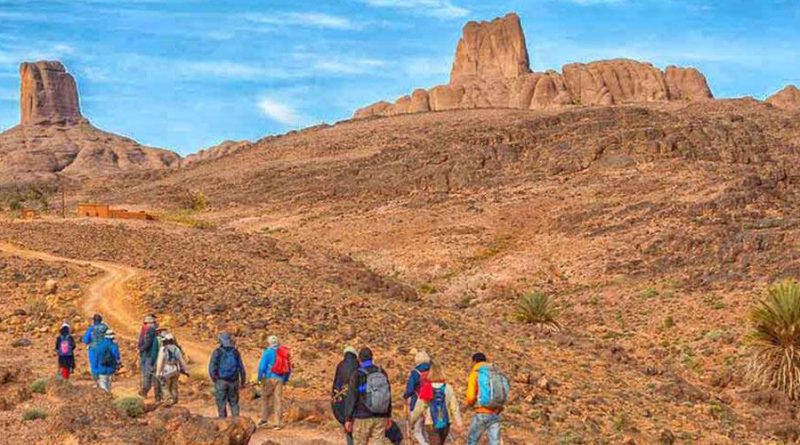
(48,94)
(54,138)
(491,69)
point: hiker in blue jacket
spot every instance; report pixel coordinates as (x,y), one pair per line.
(422,362)
(94,334)
(272,383)
(108,360)
(227,371)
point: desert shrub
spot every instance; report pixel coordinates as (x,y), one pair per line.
(133,406)
(198,201)
(15,205)
(649,293)
(39,386)
(34,414)
(774,339)
(538,309)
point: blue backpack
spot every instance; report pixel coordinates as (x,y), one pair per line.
(493,387)
(439,414)
(228,364)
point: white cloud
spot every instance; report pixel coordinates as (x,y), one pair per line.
(306,19)
(436,8)
(279,112)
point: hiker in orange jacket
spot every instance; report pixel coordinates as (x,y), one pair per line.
(484,419)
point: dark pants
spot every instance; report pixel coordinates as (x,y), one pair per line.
(227,392)
(442,434)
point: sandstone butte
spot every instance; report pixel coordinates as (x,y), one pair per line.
(53,137)
(491,69)
(787,98)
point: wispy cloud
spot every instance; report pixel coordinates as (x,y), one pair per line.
(279,111)
(436,8)
(304,19)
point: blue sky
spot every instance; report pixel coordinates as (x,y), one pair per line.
(187,74)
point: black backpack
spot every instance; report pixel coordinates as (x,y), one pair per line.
(108,360)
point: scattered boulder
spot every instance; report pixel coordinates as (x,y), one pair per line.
(51,286)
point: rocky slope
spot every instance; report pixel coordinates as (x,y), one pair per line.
(222,149)
(787,98)
(491,70)
(53,138)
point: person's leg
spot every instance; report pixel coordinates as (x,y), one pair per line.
(443,433)
(234,398)
(420,435)
(105,382)
(494,429)
(158,386)
(475,429)
(172,390)
(379,432)
(348,437)
(277,402)
(266,399)
(220,394)
(361,431)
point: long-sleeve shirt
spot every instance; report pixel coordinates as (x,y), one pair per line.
(355,406)
(163,356)
(453,410)
(105,344)
(473,391)
(146,337)
(267,362)
(87,336)
(412,385)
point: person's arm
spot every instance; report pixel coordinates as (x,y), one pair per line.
(160,362)
(262,366)
(472,388)
(390,392)
(411,385)
(452,406)
(87,336)
(352,397)
(58,341)
(213,366)
(71,343)
(117,356)
(184,368)
(242,372)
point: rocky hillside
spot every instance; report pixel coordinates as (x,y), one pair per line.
(491,70)
(787,98)
(54,138)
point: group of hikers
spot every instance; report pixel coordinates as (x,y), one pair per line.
(361,395)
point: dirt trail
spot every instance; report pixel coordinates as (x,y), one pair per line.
(107,296)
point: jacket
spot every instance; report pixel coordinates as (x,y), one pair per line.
(412,385)
(341,384)
(213,364)
(355,407)
(69,360)
(69,339)
(107,344)
(162,359)
(266,364)
(453,411)
(473,391)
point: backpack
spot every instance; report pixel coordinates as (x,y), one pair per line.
(283,362)
(425,389)
(377,392)
(107,360)
(172,366)
(228,364)
(439,415)
(65,347)
(493,387)
(98,332)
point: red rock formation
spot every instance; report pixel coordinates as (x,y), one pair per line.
(54,138)
(48,94)
(787,98)
(491,70)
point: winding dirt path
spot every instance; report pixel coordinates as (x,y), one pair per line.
(107,296)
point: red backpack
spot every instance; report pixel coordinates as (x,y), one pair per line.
(425,391)
(283,361)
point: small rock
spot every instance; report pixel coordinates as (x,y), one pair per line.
(51,286)
(21,343)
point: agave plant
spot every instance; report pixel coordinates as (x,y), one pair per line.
(774,339)
(538,309)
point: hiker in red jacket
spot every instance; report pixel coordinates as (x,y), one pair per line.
(274,371)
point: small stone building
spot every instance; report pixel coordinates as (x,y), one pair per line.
(94,210)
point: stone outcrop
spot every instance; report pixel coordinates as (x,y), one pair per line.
(53,137)
(491,69)
(48,94)
(222,149)
(787,98)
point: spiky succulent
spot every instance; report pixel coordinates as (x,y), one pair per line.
(538,309)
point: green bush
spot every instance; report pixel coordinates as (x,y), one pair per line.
(39,386)
(538,309)
(133,406)
(198,202)
(774,339)
(34,414)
